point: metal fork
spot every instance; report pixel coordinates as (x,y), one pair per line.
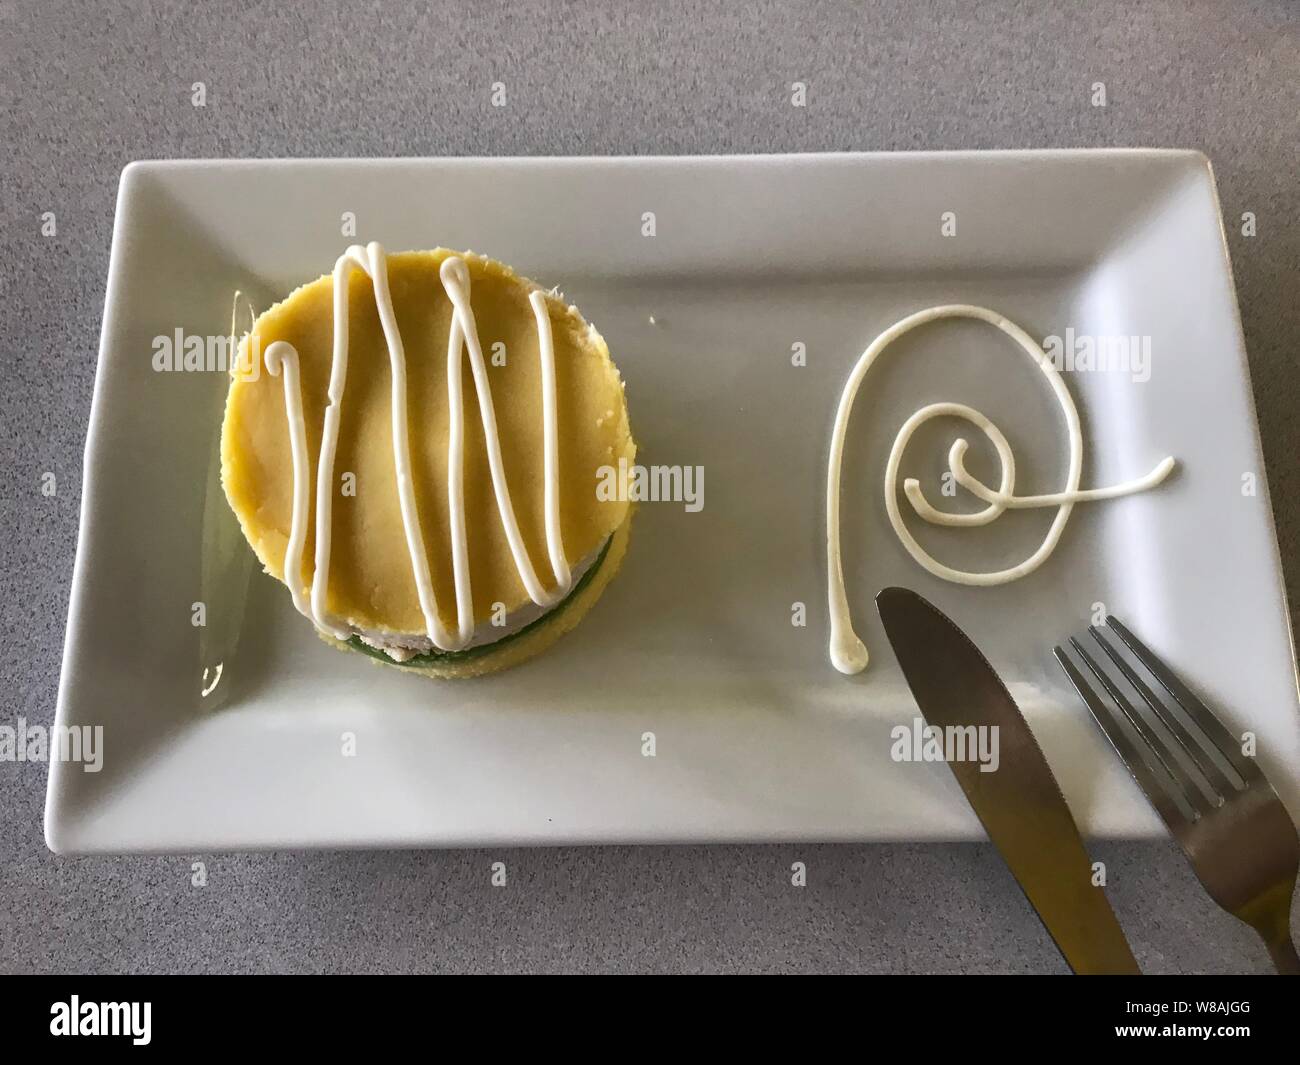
(1236,832)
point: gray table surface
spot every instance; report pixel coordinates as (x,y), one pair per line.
(88,87)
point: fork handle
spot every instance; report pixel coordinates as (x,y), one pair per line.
(1285,959)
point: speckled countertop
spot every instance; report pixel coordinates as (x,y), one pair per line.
(85,91)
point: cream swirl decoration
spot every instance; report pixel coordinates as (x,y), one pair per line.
(848,653)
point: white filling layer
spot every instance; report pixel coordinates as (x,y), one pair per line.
(401,646)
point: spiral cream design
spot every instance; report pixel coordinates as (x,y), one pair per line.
(282,358)
(848,653)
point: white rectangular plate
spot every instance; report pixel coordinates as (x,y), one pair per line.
(756,737)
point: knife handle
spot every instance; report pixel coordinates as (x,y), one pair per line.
(1285,959)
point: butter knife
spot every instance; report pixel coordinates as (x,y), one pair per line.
(1019,803)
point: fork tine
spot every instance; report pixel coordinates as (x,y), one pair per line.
(1193,748)
(1227,745)
(1154,743)
(1160,791)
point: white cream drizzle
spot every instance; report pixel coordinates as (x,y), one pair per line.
(281,355)
(847,652)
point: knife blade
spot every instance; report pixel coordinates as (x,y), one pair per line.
(1019,803)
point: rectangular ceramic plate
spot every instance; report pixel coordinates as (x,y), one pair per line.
(756,737)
